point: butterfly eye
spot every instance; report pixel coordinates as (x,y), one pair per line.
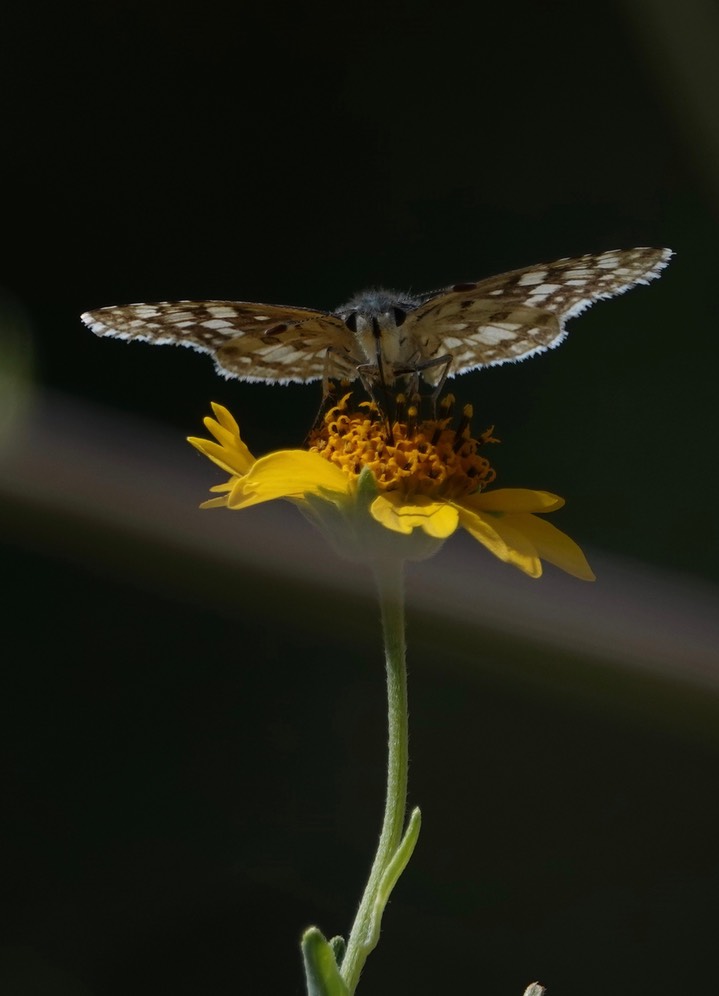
(351,321)
(399,316)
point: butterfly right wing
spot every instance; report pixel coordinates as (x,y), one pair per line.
(514,315)
(253,342)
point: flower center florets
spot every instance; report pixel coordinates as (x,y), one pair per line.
(426,456)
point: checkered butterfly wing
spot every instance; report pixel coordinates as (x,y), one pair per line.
(253,342)
(515,315)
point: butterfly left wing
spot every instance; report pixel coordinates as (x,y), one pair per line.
(515,315)
(253,342)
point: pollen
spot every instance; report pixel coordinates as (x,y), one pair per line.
(436,457)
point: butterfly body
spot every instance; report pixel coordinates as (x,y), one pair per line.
(389,345)
(382,336)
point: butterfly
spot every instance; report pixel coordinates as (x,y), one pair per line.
(383,336)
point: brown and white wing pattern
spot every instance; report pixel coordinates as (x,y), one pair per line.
(253,342)
(515,315)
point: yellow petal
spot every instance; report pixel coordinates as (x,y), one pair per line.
(513,500)
(215,503)
(437,519)
(239,498)
(555,546)
(288,474)
(225,419)
(229,440)
(501,539)
(227,433)
(230,460)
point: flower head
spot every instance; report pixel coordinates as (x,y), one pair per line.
(401,492)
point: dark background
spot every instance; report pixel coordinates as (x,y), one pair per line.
(193,763)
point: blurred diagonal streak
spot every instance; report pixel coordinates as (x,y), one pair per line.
(69,462)
(679,43)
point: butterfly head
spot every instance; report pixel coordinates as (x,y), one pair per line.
(373,317)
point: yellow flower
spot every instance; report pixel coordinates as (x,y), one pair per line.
(399,493)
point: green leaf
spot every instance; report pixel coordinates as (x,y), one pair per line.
(339,946)
(321,973)
(391,874)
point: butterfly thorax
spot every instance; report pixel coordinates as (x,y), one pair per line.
(375,318)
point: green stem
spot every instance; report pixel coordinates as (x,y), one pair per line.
(390,586)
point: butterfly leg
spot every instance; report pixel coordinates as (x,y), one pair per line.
(334,362)
(446,363)
(338,365)
(417,368)
(372,378)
